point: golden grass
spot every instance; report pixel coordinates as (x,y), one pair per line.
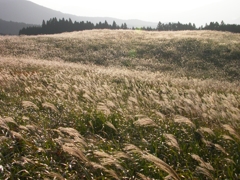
(181,119)
(73,150)
(175,52)
(29,104)
(202,163)
(50,106)
(171,141)
(162,165)
(84,121)
(145,122)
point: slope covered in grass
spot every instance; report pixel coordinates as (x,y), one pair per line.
(67,120)
(203,54)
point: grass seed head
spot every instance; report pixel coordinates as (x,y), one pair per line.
(109,124)
(75,151)
(143,177)
(231,130)
(50,106)
(29,104)
(202,163)
(181,119)
(161,164)
(145,122)
(171,141)
(204,171)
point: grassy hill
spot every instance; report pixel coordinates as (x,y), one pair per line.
(120,105)
(203,54)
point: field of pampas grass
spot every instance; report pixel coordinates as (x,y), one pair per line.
(120,105)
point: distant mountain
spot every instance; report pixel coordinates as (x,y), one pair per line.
(31,13)
(11,28)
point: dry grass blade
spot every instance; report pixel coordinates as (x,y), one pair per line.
(220,148)
(204,171)
(207,143)
(120,155)
(109,124)
(111,162)
(171,141)
(69,131)
(50,106)
(110,172)
(111,104)
(107,159)
(73,133)
(55,176)
(22,171)
(203,164)
(32,128)
(229,161)
(132,149)
(101,154)
(16,135)
(181,119)
(161,164)
(103,108)
(133,99)
(97,166)
(3,124)
(143,177)
(23,128)
(73,150)
(10,120)
(113,174)
(87,97)
(145,122)
(29,104)
(27,160)
(231,130)
(226,137)
(207,130)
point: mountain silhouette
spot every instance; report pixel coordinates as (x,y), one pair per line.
(12,28)
(31,13)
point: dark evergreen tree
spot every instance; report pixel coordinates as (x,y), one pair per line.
(175,26)
(105,26)
(125,26)
(114,25)
(222,27)
(122,26)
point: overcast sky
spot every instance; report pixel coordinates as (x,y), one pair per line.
(148,10)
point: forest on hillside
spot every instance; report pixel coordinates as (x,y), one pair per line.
(54,26)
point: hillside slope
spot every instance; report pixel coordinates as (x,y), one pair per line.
(203,54)
(132,117)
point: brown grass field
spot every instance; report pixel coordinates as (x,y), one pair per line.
(105,104)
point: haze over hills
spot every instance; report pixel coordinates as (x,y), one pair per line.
(29,12)
(23,11)
(12,28)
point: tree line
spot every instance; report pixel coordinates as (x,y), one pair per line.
(222,27)
(175,26)
(54,26)
(212,26)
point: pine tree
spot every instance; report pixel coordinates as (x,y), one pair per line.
(125,26)
(114,25)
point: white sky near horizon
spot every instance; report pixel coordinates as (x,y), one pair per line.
(148,10)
